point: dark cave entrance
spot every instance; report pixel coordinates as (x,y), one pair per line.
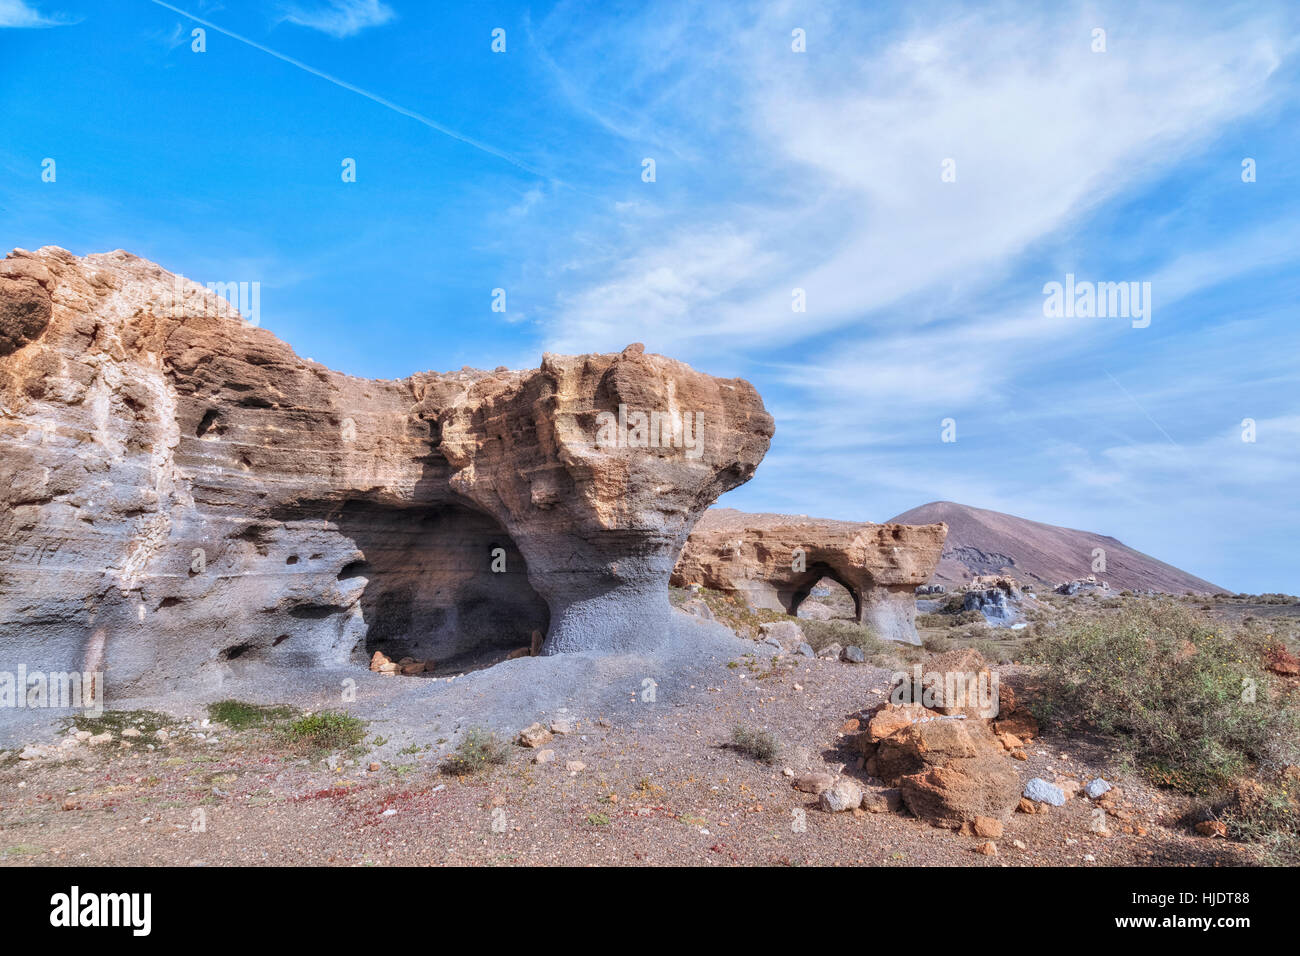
(444,583)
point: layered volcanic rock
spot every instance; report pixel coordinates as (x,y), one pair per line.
(773,561)
(181,491)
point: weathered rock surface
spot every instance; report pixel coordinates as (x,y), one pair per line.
(773,561)
(182,492)
(949,771)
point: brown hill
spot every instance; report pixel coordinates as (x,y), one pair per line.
(986,542)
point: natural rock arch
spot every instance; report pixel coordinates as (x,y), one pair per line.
(799,589)
(771,561)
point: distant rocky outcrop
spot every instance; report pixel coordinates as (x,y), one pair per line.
(999,598)
(180,491)
(984,542)
(773,561)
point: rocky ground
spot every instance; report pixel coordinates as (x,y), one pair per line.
(635,781)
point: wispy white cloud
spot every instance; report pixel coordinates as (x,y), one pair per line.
(865,221)
(19,13)
(341,18)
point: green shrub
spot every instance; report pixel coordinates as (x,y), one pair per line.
(1169,687)
(327,730)
(759,744)
(936,644)
(478,749)
(238,715)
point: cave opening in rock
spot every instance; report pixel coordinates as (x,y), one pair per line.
(822,595)
(441,583)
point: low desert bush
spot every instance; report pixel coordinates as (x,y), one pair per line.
(1183,696)
(759,744)
(477,750)
(936,644)
(1265,814)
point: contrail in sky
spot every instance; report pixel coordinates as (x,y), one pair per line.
(432,124)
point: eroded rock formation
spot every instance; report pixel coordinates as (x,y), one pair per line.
(773,561)
(180,490)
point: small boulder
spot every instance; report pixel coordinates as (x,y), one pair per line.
(1096,788)
(535,735)
(1040,791)
(815,782)
(887,800)
(844,794)
(853,655)
(987,848)
(787,635)
(949,771)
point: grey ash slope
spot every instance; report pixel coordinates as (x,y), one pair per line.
(986,542)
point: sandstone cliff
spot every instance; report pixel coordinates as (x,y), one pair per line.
(773,561)
(180,490)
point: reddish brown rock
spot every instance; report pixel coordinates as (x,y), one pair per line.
(1281,661)
(773,561)
(949,771)
(1020,724)
(890,717)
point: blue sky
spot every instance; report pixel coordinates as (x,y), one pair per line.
(774,170)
